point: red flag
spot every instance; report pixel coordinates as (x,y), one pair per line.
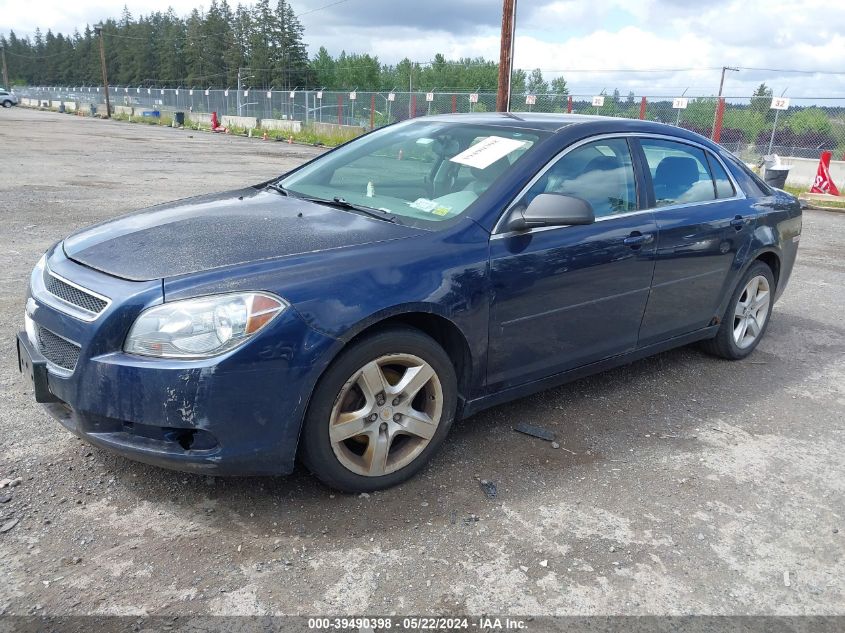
(823,182)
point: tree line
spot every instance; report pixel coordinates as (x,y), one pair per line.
(207,48)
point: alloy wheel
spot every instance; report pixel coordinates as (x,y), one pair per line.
(751,311)
(386,414)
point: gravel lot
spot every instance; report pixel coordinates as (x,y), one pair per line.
(684,484)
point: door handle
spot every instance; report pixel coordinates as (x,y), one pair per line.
(738,222)
(637,239)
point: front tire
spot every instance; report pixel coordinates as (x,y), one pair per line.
(380,411)
(7,104)
(747,316)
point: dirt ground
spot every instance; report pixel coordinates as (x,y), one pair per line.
(684,484)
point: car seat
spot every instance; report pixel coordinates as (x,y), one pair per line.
(675,176)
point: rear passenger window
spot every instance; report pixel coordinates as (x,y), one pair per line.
(724,186)
(679,172)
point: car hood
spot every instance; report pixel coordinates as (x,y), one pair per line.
(220,230)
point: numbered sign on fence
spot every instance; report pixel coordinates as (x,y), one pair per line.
(269,95)
(780,103)
(530,99)
(391,96)
(473,98)
(598,102)
(149,91)
(176,92)
(226,92)
(353,95)
(137,90)
(680,103)
(126,90)
(98,89)
(319,94)
(429,96)
(162,91)
(246,92)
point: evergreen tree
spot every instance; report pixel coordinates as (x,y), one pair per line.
(761,100)
(536,84)
(558,86)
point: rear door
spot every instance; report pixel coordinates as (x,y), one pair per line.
(568,296)
(704,224)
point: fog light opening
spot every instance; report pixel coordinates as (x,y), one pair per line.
(191,439)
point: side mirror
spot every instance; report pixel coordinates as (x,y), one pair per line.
(551,209)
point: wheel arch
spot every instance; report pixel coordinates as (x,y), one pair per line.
(770,256)
(439,327)
(772,259)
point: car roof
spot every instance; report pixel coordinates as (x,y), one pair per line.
(531,120)
(558,122)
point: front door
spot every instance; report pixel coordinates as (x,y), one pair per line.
(568,296)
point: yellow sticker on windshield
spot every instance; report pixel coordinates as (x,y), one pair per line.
(441,211)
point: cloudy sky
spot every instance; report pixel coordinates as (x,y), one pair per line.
(595,44)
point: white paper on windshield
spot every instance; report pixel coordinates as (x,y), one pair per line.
(486,152)
(423,204)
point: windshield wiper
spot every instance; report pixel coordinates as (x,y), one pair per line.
(343,203)
(275,186)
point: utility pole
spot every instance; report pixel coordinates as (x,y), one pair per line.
(5,70)
(503,96)
(722,82)
(719,99)
(98,28)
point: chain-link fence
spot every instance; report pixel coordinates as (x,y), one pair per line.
(748,126)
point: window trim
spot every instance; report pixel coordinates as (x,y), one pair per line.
(710,156)
(739,192)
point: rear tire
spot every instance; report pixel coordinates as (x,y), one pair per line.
(380,411)
(747,315)
(7,104)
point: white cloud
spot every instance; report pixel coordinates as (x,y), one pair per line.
(559,35)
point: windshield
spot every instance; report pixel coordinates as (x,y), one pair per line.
(419,170)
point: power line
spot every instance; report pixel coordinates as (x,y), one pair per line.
(803,72)
(325,6)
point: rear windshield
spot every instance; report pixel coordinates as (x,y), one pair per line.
(419,170)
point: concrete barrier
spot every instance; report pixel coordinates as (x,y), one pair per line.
(279,124)
(802,172)
(70,106)
(203,118)
(55,104)
(248,122)
(127,110)
(334,128)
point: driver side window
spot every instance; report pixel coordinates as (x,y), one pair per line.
(600,172)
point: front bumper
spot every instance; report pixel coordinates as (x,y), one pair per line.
(236,414)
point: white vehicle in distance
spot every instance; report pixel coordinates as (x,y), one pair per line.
(8,98)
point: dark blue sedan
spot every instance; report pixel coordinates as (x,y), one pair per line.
(349,312)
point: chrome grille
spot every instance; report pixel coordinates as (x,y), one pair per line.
(56,349)
(73,295)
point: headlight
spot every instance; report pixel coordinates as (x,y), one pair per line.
(199,328)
